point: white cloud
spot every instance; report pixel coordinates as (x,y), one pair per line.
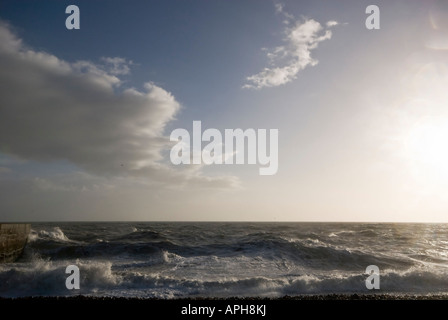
(332,23)
(292,57)
(54,110)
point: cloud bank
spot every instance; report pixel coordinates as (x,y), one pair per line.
(52,110)
(286,61)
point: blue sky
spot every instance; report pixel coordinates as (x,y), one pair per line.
(359,127)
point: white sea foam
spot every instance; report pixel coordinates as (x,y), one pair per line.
(55,233)
(47,278)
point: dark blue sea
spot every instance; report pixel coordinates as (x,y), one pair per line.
(178,260)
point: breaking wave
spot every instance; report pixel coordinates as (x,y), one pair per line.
(169,260)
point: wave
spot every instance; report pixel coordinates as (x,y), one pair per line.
(141,236)
(97,250)
(148,244)
(47,278)
(176,260)
(54,234)
(100,278)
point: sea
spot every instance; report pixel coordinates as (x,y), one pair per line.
(168,260)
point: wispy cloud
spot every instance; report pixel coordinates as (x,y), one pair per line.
(280,9)
(286,61)
(332,23)
(117,65)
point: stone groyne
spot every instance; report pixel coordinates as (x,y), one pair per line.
(13,237)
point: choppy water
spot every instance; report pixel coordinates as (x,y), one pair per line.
(169,260)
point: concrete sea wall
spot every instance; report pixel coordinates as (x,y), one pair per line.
(13,237)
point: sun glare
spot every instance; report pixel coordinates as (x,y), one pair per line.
(427,147)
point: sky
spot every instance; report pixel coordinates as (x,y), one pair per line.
(86,114)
